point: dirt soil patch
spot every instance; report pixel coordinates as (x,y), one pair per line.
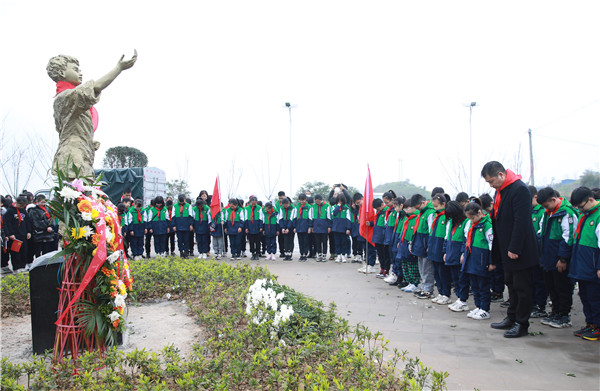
(150,326)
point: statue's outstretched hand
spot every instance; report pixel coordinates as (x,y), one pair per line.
(123,65)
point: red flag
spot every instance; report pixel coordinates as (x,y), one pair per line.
(366,212)
(215,203)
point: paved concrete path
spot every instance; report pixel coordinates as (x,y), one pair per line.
(475,355)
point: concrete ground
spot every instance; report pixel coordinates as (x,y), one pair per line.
(475,355)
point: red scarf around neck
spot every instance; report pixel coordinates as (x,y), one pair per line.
(511,178)
(45,211)
(65,85)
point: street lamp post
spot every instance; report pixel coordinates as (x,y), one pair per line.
(470,105)
(290,106)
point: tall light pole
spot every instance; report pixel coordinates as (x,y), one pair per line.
(290,106)
(470,106)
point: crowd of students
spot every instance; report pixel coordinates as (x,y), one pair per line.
(420,244)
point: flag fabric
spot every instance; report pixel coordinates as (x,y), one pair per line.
(366,212)
(215,203)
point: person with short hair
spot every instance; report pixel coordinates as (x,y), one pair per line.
(137,229)
(321,226)
(540,293)
(183,221)
(436,244)
(254,226)
(419,247)
(340,226)
(585,260)
(235,219)
(41,226)
(410,263)
(158,225)
(286,226)
(515,245)
(18,229)
(270,230)
(556,234)
(303,222)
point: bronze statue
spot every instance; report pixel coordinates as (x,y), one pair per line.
(74,115)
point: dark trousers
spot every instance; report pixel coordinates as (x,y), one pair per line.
(540,294)
(270,244)
(332,249)
(498,279)
(560,288)
(397,264)
(203,242)
(280,240)
(312,245)
(148,243)
(160,243)
(243,242)
(5,256)
(520,294)
(236,245)
(18,259)
(191,242)
(137,245)
(370,253)
(304,243)
(462,288)
(263,242)
(321,243)
(171,241)
(481,291)
(589,293)
(358,246)
(183,240)
(443,279)
(383,253)
(40,248)
(342,243)
(254,240)
(30,250)
(288,242)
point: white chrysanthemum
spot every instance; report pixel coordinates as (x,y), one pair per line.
(120,301)
(69,194)
(87,231)
(86,216)
(114,316)
(109,234)
(113,257)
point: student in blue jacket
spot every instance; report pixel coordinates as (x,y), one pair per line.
(183,224)
(341,224)
(303,222)
(254,227)
(321,226)
(286,226)
(202,222)
(270,230)
(235,218)
(456,222)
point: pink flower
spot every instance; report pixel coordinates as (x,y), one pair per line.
(77,184)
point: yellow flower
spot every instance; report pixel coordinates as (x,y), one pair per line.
(78,233)
(94,214)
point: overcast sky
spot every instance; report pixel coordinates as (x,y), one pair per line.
(380,83)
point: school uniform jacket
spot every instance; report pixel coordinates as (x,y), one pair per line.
(420,241)
(557,232)
(234,220)
(202,219)
(355,223)
(302,217)
(379,228)
(437,237)
(341,219)
(284,218)
(321,218)
(585,257)
(390,219)
(478,249)
(270,225)
(135,222)
(157,220)
(455,241)
(407,235)
(183,216)
(216,226)
(254,219)
(16,222)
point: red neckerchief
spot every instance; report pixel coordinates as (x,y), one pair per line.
(232,216)
(454,230)
(407,223)
(158,212)
(180,210)
(511,178)
(139,215)
(580,223)
(300,212)
(252,213)
(377,215)
(285,213)
(45,211)
(201,210)
(270,213)
(550,213)
(319,208)
(170,211)
(396,223)
(470,234)
(65,85)
(437,215)
(19,216)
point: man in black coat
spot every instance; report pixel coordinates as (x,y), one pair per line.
(18,229)
(41,226)
(514,244)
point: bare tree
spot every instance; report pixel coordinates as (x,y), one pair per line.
(267,184)
(23,159)
(456,174)
(233,179)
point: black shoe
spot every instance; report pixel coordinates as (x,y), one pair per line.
(402,284)
(395,283)
(506,324)
(505,304)
(538,312)
(518,330)
(497,297)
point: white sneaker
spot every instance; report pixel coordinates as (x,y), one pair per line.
(481,315)
(200,256)
(391,278)
(435,299)
(344,260)
(6,270)
(362,269)
(444,300)
(370,269)
(473,312)
(410,288)
(459,306)
(338,259)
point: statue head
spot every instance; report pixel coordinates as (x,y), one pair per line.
(64,68)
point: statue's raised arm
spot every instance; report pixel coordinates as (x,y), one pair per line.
(74,115)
